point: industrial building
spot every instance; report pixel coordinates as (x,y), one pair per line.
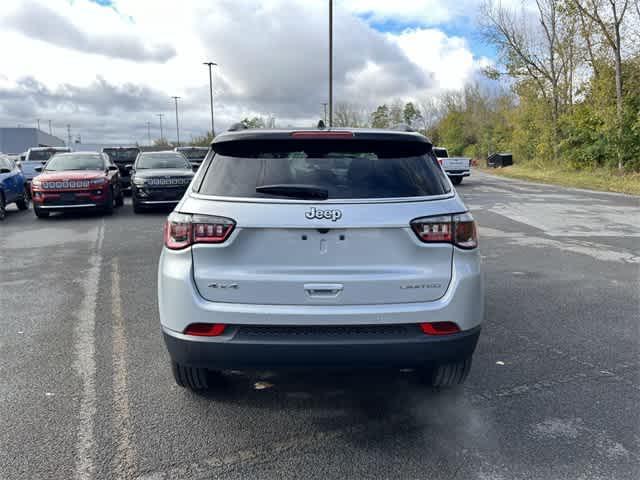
(18,140)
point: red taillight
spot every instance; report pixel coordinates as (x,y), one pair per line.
(440,161)
(181,231)
(459,230)
(322,134)
(439,328)
(205,329)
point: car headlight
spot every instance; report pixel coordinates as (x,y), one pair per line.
(97,181)
(138,182)
(36,183)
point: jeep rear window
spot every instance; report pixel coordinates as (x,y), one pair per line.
(363,173)
(122,155)
(40,155)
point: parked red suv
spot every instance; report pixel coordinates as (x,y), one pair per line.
(77,181)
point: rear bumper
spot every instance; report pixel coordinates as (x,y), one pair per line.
(238,350)
(459,173)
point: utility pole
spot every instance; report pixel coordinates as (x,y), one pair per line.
(149,133)
(177,124)
(325,112)
(68,135)
(211,64)
(160,115)
(50,130)
(330,63)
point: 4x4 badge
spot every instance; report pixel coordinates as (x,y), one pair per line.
(315,214)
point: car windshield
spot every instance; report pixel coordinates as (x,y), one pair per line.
(195,154)
(40,155)
(364,174)
(75,161)
(440,152)
(162,160)
(122,155)
(5,163)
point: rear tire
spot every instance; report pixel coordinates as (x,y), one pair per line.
(120,198)
(39,213)
(136,207)
(193,378)
(447,375)
(456,180)
(108,206)
(23,202)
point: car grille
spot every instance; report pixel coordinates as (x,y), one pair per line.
(167,182)
(65,184)
(362,332)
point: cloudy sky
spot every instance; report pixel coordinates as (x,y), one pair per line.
(107,67)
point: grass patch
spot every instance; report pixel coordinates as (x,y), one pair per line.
(601,179)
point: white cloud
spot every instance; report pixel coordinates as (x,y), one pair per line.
(116,69)
(448,59)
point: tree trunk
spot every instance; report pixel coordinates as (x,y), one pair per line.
(618,60)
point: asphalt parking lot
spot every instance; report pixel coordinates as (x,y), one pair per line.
(86,391)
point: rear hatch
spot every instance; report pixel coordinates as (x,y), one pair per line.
(323,222)
(122,156)
(456,163)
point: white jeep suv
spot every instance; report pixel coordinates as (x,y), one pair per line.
(322,248)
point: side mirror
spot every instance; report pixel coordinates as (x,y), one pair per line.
(112,168)
(39,169)
(5,170)
(195,167)
(128,167)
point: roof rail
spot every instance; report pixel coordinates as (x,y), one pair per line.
(237,126)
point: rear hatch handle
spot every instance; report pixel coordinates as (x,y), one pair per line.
(323,290)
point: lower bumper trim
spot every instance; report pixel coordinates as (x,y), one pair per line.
(261,353)
(64,207)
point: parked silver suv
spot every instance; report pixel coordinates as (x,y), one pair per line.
(327,248)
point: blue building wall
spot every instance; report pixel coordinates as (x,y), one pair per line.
(18,140)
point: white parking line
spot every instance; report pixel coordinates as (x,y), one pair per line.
(124,459)
(85,362)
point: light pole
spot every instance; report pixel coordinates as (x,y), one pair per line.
(160,115)
(68,135)
(211,64)
(330,63)
(38,123)
(50,131)
(177,125)
(149,133)
(325,112)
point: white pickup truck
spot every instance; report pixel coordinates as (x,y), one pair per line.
(455,167)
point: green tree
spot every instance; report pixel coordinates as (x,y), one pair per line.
(411,115)
(380,117)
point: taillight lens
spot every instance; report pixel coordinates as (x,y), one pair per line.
(181,231)
(439,328)
(465,231)
(205,329)
(460,230)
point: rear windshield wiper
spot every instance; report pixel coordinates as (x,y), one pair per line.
(305,192)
